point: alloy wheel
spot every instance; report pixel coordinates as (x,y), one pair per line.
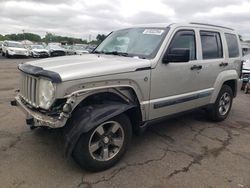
(106,141)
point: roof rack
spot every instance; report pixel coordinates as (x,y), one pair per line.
(211,25)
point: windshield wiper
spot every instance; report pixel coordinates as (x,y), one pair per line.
(117,53)
(96,52)
(112,53)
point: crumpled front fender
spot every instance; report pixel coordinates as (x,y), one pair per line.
(89,117)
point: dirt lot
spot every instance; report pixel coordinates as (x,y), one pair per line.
(188,151)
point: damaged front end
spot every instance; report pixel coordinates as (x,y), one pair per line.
(35,117)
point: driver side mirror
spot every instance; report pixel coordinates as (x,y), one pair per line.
(177,55)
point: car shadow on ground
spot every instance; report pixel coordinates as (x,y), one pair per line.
(54,140)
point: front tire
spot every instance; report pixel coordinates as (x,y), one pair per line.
(103,146)
(222,106)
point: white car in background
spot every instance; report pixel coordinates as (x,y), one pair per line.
(38,51)
(68,49)
(12,48)
(79,50)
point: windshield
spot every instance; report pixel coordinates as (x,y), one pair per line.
(141,42)
(15,45)
(37,47)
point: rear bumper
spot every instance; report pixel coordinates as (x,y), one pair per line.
(18,54)
(37,119)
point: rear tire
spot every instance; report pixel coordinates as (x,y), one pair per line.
(246,89)
(103,146)
(222,106)
(7,54)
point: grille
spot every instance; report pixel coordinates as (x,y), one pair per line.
(29,88)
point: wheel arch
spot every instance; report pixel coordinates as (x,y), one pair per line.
(99,106)
(229,78)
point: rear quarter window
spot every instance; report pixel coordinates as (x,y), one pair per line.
(211,45)
(232,45)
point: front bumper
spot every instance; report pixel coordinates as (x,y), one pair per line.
(18,53)
(40,55)
(37,119)
(57,53)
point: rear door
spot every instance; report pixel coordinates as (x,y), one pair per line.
(213,59)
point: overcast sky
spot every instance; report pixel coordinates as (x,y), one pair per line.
(79,18)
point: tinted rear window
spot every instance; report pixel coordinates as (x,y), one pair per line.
(232,44)
(211,45)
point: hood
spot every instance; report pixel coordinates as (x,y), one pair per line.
(90,65)
(17,49)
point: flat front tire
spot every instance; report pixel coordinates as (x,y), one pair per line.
(103,146)
(222,106)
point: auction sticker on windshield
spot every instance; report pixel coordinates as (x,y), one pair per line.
(153,31)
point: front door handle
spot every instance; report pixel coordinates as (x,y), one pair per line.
(196,67)
(223,64)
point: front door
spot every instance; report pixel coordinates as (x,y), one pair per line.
(175,86)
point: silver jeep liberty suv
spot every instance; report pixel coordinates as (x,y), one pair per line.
(134,78)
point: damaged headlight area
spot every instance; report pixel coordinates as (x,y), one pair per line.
(46,93)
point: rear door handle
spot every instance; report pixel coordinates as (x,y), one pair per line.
(223,64)
(196,67)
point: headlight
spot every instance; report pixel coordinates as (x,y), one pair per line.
(46,93)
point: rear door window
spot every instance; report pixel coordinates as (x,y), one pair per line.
(211,45)
(232,45)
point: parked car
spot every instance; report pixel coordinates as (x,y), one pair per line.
(12,48)
(247,86)
(79,50)
(38,51)
(55,50)
(68,49)
(245,69)
(90,48)
(134,78)
(1,43)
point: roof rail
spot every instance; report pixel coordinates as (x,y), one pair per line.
(211,25)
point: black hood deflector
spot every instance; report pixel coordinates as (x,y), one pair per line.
(38,71)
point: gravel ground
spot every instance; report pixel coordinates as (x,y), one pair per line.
(187,151)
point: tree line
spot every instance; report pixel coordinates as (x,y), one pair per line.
(49,37)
